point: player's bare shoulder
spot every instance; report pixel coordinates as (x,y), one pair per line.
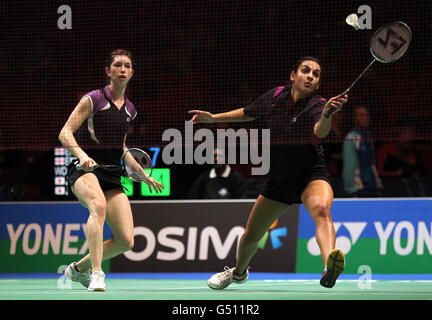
(84,106)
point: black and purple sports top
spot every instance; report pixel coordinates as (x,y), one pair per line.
(103,135)
(294,146)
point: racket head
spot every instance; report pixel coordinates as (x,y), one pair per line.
(134,160)
(390,42)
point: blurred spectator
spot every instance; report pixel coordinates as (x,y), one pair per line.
(399,158)
(360,174)
(12,192)
(333,146)
(220,182)
(12,187)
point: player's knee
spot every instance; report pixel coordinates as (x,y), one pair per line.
(97,207)
(321,211)
(125,244)
(130,245)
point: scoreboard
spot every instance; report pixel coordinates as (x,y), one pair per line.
(62,157)
(161,175)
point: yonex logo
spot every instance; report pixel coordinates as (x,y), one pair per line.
(342,242)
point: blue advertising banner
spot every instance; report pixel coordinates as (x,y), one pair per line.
(42,237)
(385,235)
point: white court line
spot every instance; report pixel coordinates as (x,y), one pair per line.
(264,293)
(182,288)
(237,293)
(426,281)
(312,281)
(240,290)
(242,294)
(35,291)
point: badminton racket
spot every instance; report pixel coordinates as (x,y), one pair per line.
(135,163)
(387,45)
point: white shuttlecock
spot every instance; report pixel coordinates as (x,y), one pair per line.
(352,20)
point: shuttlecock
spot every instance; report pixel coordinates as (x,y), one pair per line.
(352,20)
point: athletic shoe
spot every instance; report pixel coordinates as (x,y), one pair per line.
(223,279)
(335,266)
(97,281)
(73,274)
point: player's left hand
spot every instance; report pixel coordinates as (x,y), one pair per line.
(152,183)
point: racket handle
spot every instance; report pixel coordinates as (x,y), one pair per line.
(78,167)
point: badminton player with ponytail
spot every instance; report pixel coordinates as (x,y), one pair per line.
(100,122)
(297,171)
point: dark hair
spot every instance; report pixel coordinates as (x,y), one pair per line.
(118,52)
(300,61)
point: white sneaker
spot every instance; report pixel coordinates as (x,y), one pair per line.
(223,279)
(97,281)
(72,274)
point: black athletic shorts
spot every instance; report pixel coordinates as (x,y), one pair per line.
(288,189)
(108,178)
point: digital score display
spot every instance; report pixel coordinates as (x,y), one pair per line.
(161,175)
(62,157)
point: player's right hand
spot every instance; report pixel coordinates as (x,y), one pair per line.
(201,117)
(335,104)
(87,164)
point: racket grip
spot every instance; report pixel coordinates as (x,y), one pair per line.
(78,167)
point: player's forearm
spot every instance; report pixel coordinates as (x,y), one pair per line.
(322,128)
(129,161)
(128,158)
(81,112)
(236,115)
(68,141)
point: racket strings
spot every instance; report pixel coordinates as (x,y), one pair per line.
(390,43)
(136,163)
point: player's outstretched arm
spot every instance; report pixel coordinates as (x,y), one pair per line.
(322,127)
(236,115)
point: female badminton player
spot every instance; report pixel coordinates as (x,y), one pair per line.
(108,114)
(297,171)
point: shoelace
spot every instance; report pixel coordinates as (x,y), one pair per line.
(225,275)
(99,276)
